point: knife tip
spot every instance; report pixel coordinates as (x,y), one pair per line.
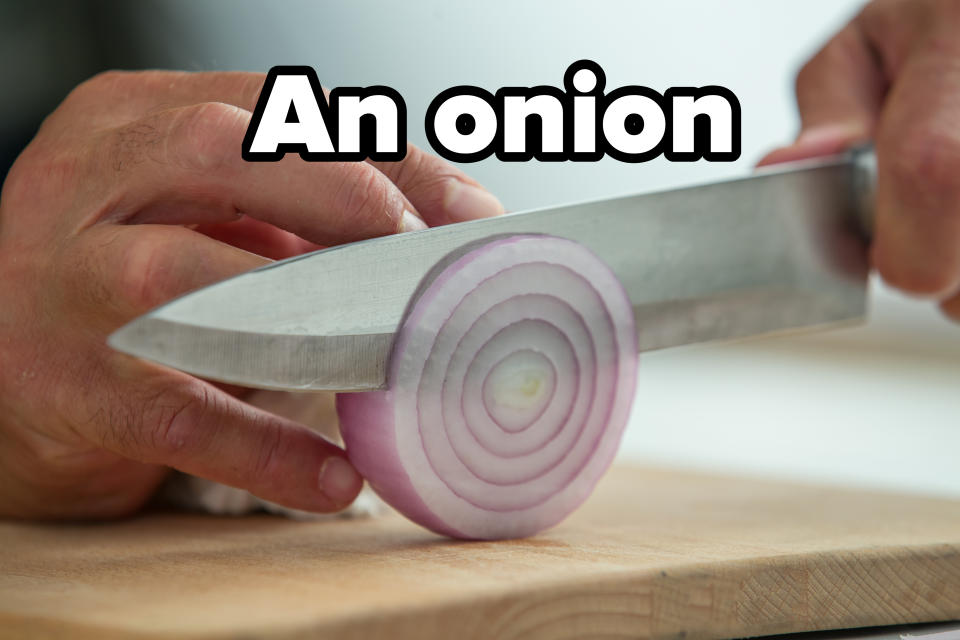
(125,338)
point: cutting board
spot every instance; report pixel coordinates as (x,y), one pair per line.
(654,553)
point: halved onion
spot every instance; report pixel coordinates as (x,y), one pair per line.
(509,386)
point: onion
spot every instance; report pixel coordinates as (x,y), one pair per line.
(509,386)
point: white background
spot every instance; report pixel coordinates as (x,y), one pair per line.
(875,406)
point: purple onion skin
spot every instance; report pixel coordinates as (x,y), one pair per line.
(368,420)
(370,440)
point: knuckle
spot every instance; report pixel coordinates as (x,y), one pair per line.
(85,102)
(145,277)
(136,274)
(97,85)
(822,66)
(362,194)
(365,198)
(424,178)
(920,208)
(268,463)
(90,95)
(922,167)
(171,419)
(205,137)
(810,76)
(406,172)
(806,75)
(431,192)
(110,77)
(250,87)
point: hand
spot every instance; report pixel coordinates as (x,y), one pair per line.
(893,74)
(134,192)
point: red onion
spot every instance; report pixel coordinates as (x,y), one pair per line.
(509,385)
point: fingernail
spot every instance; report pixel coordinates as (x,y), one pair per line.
(339,481)
(410,222)
(466,202)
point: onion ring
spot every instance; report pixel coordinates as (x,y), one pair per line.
(510,383)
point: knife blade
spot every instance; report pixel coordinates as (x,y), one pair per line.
(781,249)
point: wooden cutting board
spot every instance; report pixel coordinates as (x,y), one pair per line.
(654,553)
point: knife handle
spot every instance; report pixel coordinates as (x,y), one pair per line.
(863,159)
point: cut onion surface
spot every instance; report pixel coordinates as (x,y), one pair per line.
(509,386)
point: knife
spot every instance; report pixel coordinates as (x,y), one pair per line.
(785,248)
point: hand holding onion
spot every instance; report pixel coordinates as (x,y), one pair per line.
(134,192)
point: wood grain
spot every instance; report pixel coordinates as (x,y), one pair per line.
(654,554)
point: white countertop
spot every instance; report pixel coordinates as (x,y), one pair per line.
(875,406)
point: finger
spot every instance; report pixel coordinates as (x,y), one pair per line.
(444,193)
(916,246)
(822,141)
(257,237)
(839,95)
(114,97)
(112,273)
(182,166)
(158,416)
(441,193)
(166,417)
(951,307)
(841,87)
